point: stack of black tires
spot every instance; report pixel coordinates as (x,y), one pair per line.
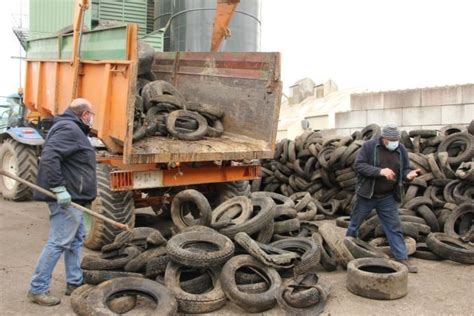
(437,212)
(161,110)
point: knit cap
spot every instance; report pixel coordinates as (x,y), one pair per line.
(391,132)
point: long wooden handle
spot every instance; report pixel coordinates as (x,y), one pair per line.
(79,207)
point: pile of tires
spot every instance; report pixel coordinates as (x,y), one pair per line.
(439,200)
(161,110)
(241,251)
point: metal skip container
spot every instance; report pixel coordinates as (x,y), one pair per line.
(192,22)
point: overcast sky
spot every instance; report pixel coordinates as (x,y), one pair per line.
(373,44)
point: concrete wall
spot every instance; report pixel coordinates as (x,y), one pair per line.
(428,108)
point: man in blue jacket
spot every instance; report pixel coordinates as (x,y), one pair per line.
(67,168)
(382,165)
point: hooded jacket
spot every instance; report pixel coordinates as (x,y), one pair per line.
(367,166)
(68,159)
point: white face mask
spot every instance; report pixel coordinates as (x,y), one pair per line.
(90,121)
(392,145)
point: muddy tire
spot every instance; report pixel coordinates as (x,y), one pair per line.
(93,262)
(423,252)
(20,160)
(77,300)
(97,299)
(343,221)
(328,259)
(377,278)
(255,223)
(468,152)
(192,135)
(219,249)
(253,303)
(95,277)
(228,212)
(303,295)
(381,244)
(464,210)
(307,248)
(193,197)
(205,302)
(361,249)
(450,248)
(328,232)
(118,206)
(139,263)
(158,88)
(156,266)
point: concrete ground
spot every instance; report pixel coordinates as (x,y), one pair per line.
(440,288)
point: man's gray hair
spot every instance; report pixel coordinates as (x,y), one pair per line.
(80,105)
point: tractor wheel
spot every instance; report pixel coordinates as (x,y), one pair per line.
(20,160)
(118,206)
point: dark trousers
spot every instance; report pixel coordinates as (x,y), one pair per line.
(387,210)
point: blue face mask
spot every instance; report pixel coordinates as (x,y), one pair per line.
(392,145)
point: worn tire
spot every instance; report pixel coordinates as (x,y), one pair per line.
(423,133)
(328,232)
(377,278)
(232,208)
(423,252)
(139,263)
(115,205)
(255,223)
(279,199)
(450,248)
(156,266)
(458,213)
(157,88)
(206,302)
(95,277)
(254,303)
(20,160)
(361,249)
(466,155)
(427,214)
(92,262)
(381,244)
(343,221)
(97,299)
(197,134)
(199,200)
(309,251)
(223,249)
(78,305)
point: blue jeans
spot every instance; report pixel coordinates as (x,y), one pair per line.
(66,235)
(387,211)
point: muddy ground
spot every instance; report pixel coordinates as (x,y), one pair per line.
(440,288)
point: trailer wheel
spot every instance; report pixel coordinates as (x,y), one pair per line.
(227,190)
(118,206)
(20,160)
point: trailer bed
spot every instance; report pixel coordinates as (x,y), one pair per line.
(227,147)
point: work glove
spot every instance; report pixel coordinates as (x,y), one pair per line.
(62,196)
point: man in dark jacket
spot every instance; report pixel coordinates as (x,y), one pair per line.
(67,168)
(382,165)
